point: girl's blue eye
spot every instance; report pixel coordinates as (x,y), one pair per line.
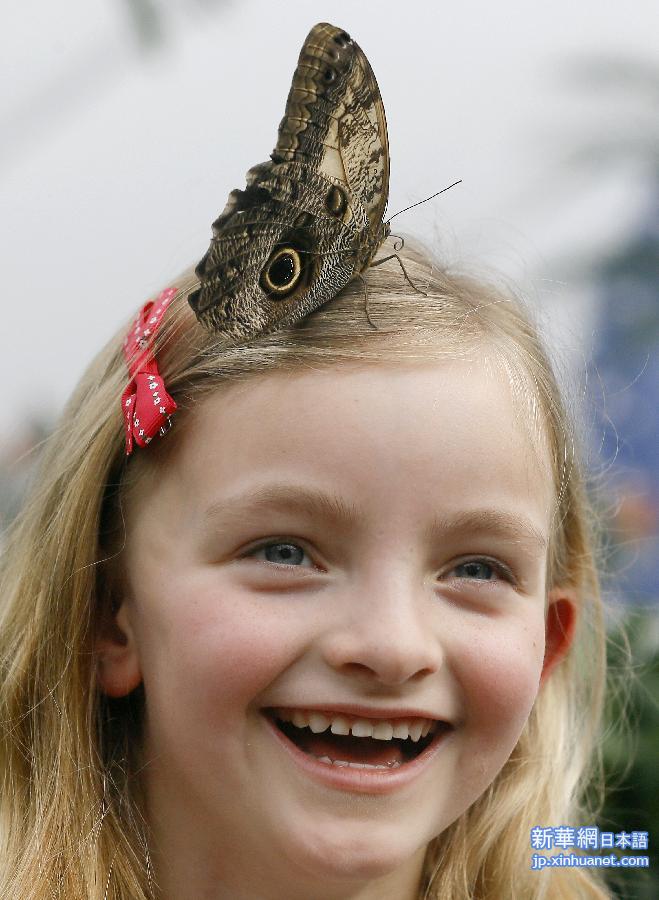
(477,569)
(286,553)
(280,552)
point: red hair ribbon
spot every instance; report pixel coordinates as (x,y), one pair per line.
(145,403)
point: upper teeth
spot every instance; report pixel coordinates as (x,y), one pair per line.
(381,729)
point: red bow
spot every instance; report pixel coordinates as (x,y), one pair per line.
(145,403)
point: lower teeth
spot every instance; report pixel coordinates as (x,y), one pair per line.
(342,763)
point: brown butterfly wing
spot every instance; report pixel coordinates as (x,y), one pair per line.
(335,120)
(310,219)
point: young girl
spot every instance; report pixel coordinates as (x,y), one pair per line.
(337,634)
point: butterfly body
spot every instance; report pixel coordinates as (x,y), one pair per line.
(311,218)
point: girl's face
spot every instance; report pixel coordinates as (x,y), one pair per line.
(364,549)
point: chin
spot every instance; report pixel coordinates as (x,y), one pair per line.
(359,853)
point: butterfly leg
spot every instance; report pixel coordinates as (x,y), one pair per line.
(365,286)
(400,263)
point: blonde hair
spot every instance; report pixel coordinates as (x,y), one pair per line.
(71,812)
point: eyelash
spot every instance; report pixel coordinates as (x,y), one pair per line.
(500,569)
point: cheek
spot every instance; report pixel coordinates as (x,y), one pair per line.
(497,663)
(244,650)
(216,651)
(500,675)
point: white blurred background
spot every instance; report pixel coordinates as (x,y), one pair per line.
(125,124)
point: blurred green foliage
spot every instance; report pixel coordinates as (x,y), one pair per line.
(631,745)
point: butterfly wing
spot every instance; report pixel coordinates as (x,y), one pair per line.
(335,120)
(310,219)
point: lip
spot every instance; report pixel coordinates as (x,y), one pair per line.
(363,712)
(361,781)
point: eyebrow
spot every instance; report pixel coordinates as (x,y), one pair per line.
(506,525)
(319,504)
(274,498)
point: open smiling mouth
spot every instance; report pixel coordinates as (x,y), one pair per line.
(348,741)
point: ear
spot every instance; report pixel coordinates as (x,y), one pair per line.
(118,666)
(560,624)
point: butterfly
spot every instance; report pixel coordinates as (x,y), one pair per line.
(310,219)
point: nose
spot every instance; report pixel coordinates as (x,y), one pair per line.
(388,633)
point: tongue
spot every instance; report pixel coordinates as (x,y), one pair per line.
(352,749)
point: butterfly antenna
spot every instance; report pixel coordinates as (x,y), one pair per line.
(432,196)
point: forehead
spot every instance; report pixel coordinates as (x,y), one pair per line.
(447,432)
